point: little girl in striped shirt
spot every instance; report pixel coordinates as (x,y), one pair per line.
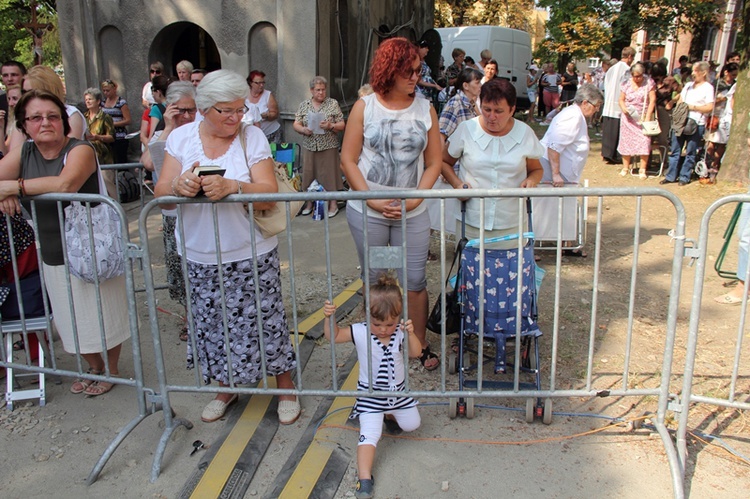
(386,335)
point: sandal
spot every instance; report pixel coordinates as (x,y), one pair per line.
(81,384)
(99,388)
(184,333)
(427,355)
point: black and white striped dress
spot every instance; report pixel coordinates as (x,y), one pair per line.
(387,372)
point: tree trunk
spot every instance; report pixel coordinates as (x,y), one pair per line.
(736,161)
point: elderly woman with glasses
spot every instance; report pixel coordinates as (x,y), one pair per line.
(50,161)
(637,103)
(566,148)
(264,100)
(243,152)
(320,119)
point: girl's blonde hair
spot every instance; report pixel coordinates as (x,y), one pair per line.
(385,298)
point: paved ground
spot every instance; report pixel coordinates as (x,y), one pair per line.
(49,451)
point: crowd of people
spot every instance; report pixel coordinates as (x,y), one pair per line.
(692,106)
(407,131)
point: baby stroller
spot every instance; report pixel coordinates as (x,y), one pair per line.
(501,278)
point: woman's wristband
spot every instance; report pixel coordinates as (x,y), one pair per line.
(174,185)
(239,187)
(21,190)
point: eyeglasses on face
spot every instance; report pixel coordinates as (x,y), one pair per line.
(187,110)
(239,111)
(37,119)
(155,71)
(412,72)
(259,82)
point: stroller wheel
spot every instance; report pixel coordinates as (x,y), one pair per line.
(469,408)
(547,414)
(452,363)
(452,407)
(530,410)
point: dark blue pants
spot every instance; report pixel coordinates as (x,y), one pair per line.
(693,141)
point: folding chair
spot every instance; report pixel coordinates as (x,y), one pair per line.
(38,326)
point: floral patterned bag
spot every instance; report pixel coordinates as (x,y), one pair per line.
(95,250)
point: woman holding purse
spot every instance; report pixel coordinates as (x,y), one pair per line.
(53,162)
(637,102)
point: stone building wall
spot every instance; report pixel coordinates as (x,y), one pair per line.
(290,40)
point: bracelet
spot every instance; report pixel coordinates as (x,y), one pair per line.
(21,190)
(239,187)
(176,179)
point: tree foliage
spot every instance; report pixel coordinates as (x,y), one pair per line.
(584,28)
(510,13)
(576,29)
(17,43)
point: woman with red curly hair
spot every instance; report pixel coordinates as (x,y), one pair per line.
(392,141)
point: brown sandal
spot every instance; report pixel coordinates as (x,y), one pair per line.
(81,385)
(99,388)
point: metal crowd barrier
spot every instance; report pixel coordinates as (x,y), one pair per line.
(595,383)
(726,389)
(72,365)
(138,169)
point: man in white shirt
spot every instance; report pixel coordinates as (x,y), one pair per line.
(611,112)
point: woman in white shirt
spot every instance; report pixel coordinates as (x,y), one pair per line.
(496,152)
(567,139)
(566,148)
(699,96)
(248,168)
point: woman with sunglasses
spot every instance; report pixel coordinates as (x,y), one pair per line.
(392,141)
(117,108)
(248,168)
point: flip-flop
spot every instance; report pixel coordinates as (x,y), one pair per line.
(728,299)
(575,253)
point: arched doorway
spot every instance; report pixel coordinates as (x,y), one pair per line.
(185,41)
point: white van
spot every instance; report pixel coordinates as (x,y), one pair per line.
(511,48)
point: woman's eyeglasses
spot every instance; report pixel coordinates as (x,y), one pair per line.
(109,83)
(51,118)
(239,111)
(155,71)
(412,72)
(259,82)
(187,110)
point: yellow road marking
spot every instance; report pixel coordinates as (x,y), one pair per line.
(318,315)
(222,464)
(310,467)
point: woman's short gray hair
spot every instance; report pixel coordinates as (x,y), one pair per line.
(317,81)
(186,65)
(93,92)
(588,92)
(222,85)
(638,68)
(178,90)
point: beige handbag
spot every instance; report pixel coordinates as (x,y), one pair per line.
(273,221)
(649,128)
